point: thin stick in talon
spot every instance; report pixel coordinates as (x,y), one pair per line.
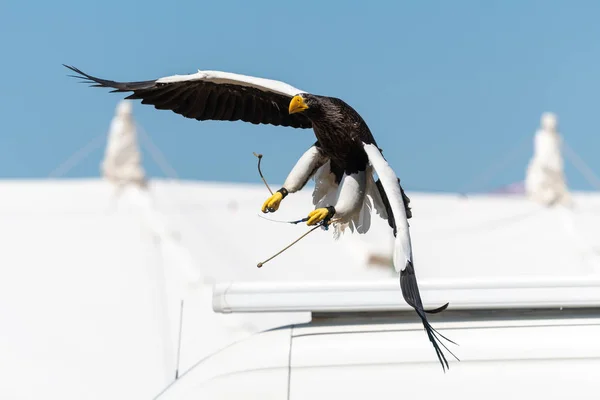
(260,264)
(259,156)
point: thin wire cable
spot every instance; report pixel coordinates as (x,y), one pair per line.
(77,157)
(581,166)
(487,174)
(158,157)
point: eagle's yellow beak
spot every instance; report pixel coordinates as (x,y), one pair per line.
(297,105)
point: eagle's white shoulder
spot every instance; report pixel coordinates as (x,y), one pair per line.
(220,77)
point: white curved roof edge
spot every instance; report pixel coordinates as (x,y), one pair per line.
(543,292)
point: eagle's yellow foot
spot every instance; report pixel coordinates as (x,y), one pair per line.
(272,203)
(318,215)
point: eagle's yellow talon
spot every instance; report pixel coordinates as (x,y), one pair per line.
(316,216)
(272,203)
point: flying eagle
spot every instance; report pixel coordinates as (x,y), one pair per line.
(342,161)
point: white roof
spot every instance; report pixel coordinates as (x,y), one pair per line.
(81,287)
(505,236)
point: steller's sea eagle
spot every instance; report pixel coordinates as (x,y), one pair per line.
(342,161)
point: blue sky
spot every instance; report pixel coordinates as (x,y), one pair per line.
(449,88)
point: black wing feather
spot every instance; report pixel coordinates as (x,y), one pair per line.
(203,100)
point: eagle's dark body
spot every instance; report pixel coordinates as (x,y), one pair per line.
(340,132)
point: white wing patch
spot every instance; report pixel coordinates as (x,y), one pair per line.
(219,77)
(389,181)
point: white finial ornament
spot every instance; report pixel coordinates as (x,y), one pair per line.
(122,160)
(545,182)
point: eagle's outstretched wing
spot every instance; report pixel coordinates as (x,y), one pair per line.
(393,199)
(214,95)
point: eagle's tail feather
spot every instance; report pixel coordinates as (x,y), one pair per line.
(410,292)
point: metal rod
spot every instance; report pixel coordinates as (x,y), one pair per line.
(179,341)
